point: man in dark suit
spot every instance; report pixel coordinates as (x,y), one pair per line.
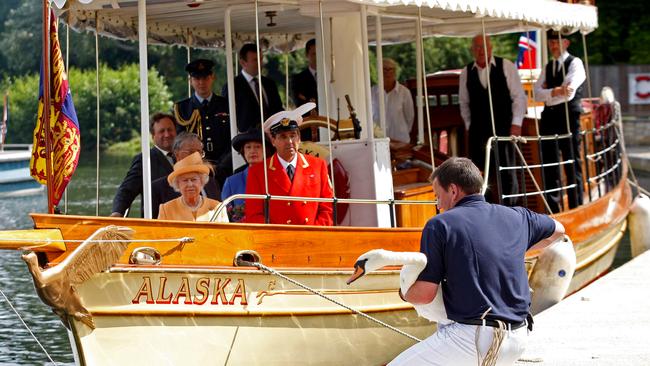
(247,90)
(185,145)
(206,114)
(304,85)
(163,132)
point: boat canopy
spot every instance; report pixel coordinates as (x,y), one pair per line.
(287,24)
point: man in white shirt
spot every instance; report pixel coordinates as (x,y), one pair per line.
(508,105)
(398,103)
(508,98)
(560,87)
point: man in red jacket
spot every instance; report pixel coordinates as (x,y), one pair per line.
(289,173)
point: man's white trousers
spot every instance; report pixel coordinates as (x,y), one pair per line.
(455,344)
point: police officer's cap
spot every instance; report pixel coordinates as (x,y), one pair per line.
(287,120)
(200,68)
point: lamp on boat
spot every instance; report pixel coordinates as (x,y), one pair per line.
(271,14)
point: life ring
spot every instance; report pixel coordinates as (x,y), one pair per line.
(340,175)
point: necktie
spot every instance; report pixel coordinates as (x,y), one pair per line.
(256,88)
(290,171)
(204,103)
(557,67)
(170,157)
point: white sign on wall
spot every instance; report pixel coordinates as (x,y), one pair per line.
(639,87)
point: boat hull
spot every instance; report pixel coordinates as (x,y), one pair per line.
(241,317)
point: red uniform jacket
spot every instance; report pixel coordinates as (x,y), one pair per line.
(310,180)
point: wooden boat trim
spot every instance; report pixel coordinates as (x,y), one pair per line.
(243,270)
(605,249)
(111,311)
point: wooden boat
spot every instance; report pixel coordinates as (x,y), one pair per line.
(179,295)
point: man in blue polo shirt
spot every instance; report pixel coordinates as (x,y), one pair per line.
(475,251)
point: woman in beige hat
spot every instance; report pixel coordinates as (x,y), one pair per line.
(188,178)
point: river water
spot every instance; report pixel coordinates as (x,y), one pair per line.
(17,347)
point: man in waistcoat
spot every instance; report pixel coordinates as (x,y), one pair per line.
(560,87)
(206,114)
(508,106)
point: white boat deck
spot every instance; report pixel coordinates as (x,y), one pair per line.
(606,323)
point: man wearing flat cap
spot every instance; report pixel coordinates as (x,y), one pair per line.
(206,114)
(289,173)
(560,87)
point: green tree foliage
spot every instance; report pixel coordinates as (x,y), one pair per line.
(119,98)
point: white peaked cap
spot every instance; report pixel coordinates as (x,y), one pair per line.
(294,115)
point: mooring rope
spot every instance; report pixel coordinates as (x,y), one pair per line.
(27,327)
(358,312)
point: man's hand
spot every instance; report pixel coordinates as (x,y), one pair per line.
(515,130)
(563,90)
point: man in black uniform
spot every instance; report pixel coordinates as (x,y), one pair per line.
(163,132)
(304,85)
(560,87)
(206,114)
(247,89)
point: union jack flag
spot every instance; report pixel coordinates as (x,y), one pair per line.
(527,58)
(64,125)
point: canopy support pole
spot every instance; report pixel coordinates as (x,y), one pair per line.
(97,124)
(418,82)
(381,94)
(144,108)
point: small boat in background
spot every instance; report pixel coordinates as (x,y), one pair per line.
(15,179)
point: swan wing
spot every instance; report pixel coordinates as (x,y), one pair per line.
(93,257)
(435,310)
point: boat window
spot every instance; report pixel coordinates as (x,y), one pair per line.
(454,99)
(433,100)
(444,100)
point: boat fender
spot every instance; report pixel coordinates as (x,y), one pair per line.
(639,221)
(552,274)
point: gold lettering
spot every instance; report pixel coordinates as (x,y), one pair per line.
(161,299)
(184,291)
(219,291)
(203,288)
(240,291)
(145,290)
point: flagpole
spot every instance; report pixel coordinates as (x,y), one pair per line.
(47,103)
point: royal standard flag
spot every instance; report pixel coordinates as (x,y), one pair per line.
(64,126)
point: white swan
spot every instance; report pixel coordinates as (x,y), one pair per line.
(412,264)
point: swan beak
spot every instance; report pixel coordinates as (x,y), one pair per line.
(359,270)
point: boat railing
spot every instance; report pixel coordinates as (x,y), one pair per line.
(14,147)
(392,203)
(600,155)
